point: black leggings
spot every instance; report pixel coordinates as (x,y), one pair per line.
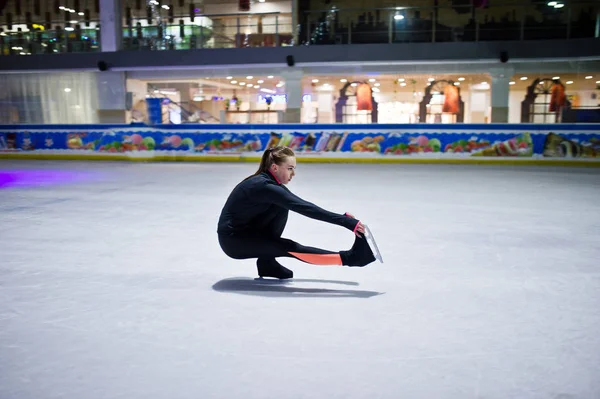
(265,241)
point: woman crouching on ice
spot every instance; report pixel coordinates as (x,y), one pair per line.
(255,214)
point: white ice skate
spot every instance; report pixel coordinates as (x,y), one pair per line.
(373,244)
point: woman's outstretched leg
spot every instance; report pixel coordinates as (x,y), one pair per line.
(266,249)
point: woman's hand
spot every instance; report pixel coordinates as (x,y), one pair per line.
(360,228)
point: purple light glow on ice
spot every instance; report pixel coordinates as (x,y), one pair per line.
(40,178)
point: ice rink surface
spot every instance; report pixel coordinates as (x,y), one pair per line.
(113,285)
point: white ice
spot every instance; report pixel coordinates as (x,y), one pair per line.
(115,287)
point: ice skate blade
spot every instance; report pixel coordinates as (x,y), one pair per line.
(373,244)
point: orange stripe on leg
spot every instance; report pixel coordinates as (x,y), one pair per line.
(319,259)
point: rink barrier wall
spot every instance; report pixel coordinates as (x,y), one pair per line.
(523,144)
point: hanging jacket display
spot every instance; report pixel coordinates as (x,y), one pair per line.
(363,98)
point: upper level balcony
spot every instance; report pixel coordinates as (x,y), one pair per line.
(74,26)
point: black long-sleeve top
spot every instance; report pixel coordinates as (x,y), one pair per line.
(253,199)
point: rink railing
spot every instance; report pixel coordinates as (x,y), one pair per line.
(421,143)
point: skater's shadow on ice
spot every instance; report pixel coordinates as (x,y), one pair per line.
(295,288)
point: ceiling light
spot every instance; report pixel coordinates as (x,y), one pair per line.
(268,91)
(461,79)
(589,77)
(270,77)
(377,84)
(559,5)
(257,87)
(354,84)
(569,82)
(166,7)
(249,77)
(229,77)
(372,80)
(401,80)
(556,78)
(376,90)
(598,81)
(456,83)
(233,82)
(398,17)
(402,84)
(315,80)
(260,81)
(242,83)
(524,78)
(343,80)
(250,85)
(511,83)
(81,13)
(431,79)
(67,90)
(552,3)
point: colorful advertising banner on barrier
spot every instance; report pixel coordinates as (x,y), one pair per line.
(348,141)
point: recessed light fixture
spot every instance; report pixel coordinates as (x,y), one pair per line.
(401,80)
(524,78)
(512,83)
(67,89)
(354,84)
(456,83)
(589,77)
(260,81)
(343,80)
(242,83)
(569,82)
(270,77)
(315,80)
(233,82)
(556,78)
(377,84)
(402,84)
(461,79)
(249,77)
(372,80)
(229,77)
(431,79)
(250,85)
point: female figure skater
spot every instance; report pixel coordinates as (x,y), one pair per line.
(255,214)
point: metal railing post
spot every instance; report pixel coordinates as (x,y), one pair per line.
(238,37)
(568,21)
(523,17)
(201,35)
(391,28)
(433,28)
(349,31)
(277,31)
